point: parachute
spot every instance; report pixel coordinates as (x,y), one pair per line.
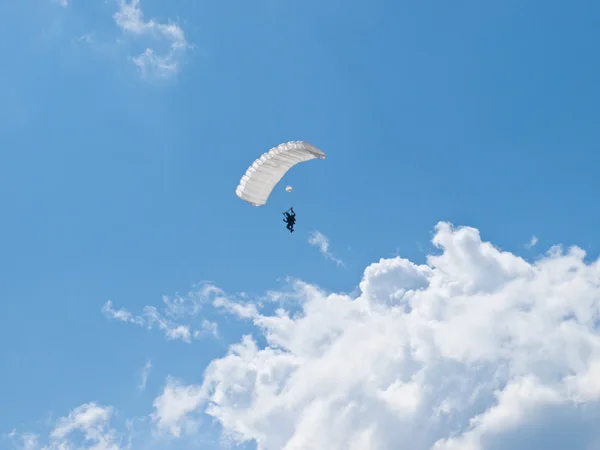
(261,177)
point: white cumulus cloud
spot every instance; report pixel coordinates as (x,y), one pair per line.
(173,406)
(478,349)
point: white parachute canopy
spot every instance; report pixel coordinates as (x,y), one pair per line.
(261,177)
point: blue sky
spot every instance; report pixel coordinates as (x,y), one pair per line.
(118,166)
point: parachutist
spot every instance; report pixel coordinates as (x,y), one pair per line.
(290,219)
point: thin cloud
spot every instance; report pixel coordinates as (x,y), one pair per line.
(85,427)
(534,240)
(320,241)
(149,319)
(87,38)
(130,19)
(144,375)
(178,318)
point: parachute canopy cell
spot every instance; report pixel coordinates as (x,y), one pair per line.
(261,177)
